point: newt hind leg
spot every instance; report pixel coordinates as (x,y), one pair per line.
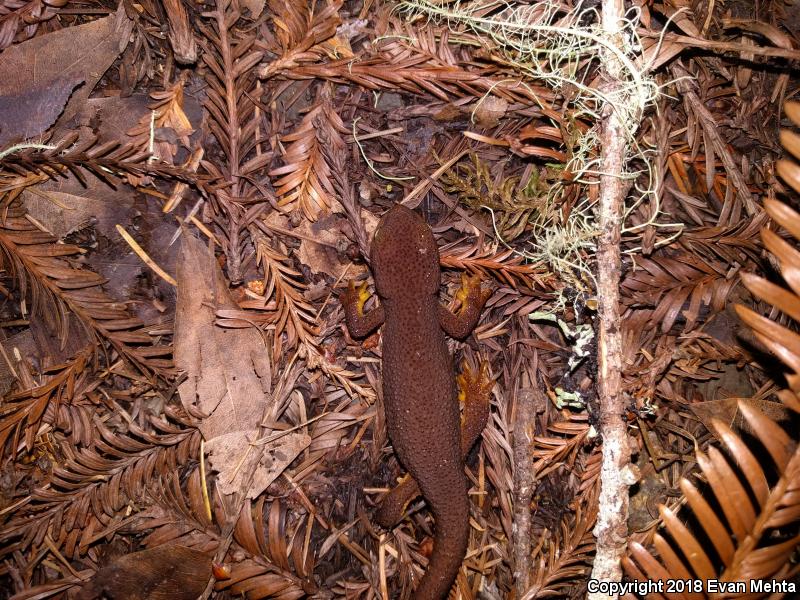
(474,388)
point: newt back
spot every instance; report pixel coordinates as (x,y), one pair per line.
(419,390)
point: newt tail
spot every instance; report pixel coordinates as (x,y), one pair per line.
(419,391)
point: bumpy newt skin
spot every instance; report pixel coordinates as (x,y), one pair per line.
(474,389)
(419,384)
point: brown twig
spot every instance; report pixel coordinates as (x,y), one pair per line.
(611,529)
(524,477)
(693,42)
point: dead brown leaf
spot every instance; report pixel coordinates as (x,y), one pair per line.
(489,111)
(163,573)
(52,65)
(727,411)
(225,454)
(29,112)
(228,373)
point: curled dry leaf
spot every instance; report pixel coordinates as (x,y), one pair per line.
(490,110)
(166,112)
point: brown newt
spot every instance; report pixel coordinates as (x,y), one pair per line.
(419,385)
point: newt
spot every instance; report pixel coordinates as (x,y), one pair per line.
(420,397)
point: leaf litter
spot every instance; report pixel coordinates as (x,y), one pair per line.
(225,436)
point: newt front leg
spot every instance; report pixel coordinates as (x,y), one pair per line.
(353,300)
(472,297)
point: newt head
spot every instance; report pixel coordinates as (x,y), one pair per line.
(405,258)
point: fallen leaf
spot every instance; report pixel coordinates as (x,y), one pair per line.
(228,373)
(225,454)
(67,207)
(319,249)
(33,110)
(319,241)
(55,64)
(727,411)
(163,573)
(490,110)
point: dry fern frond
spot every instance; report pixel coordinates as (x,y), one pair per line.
(336,155)
(564,545)
(56,287)
(292,21)
(561,445)
(230,59)
(22,412)
(252,579)
(444,82)
(746,536)
(402,39)
(343,376)
(499,458)
(735,244)
(268,544)
(565,557)
(699,356)
(754,534)
(234,121)
(86,498)
(507,265)
(305,175)
(285,309)
(737,195)
(110,162)
(422,60)
(300,30)
(782,341)
(668,283)
(296,317)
